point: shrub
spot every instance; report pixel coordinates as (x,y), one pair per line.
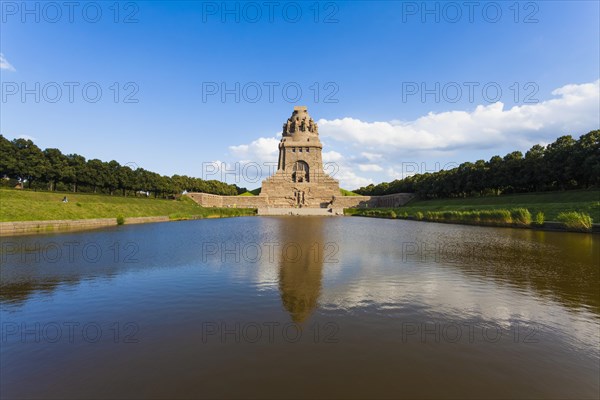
(401,214)
(495,216)
(471,216)
(575,220)
(539,218)
(485,215)
(419,215)
(521,216)
(447,215)
(120,219)
(392,214)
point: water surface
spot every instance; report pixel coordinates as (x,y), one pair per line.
(276,307)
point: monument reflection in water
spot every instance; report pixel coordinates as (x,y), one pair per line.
(379,304)
(301,266)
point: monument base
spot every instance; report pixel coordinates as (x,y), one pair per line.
(303,211)
(320,193)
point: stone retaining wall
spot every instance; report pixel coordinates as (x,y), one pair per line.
(215,200)
(390,200)
(244,201)
(305,211)
(26,227)
(207,200)
(261,201)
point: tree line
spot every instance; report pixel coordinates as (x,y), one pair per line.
(564,164)
(50,169)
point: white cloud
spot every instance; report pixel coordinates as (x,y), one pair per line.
(373,157)
(332,156)
(4,64)
(575,110)
(348,178)
(369,167)
(342,169)
(263,149)
(392,173)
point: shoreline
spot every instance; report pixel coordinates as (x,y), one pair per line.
(18,228)
(548,226)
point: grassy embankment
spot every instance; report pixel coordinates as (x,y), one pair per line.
(575,209)
(25,205)
(348,192)
(254,192)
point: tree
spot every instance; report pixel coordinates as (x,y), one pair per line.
(512,172)
(587,158)
(95,174)
(77,170)
(30,161)
(125,179)
(112,176)
(560,162)
(535,169)
(57,167)
(8,158)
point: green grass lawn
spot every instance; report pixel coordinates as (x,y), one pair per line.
(550,203)
(25,205)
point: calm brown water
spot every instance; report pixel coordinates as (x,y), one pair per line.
(301,307)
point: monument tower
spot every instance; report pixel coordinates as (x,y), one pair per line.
(300,180)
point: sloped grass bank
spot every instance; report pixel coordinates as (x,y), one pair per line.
(25,205)
(573,211)
(518,217)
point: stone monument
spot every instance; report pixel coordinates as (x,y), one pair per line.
(300,180)
(300,185)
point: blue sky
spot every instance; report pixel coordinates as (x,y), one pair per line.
(371,63)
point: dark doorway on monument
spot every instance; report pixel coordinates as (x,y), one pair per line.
(300,172)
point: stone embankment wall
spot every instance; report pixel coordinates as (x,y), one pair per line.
(26,227)
(304,211)
(390,200)
(213,200)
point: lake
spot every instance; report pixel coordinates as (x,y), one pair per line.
(277,307)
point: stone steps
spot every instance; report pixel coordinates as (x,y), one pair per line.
(304,211)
